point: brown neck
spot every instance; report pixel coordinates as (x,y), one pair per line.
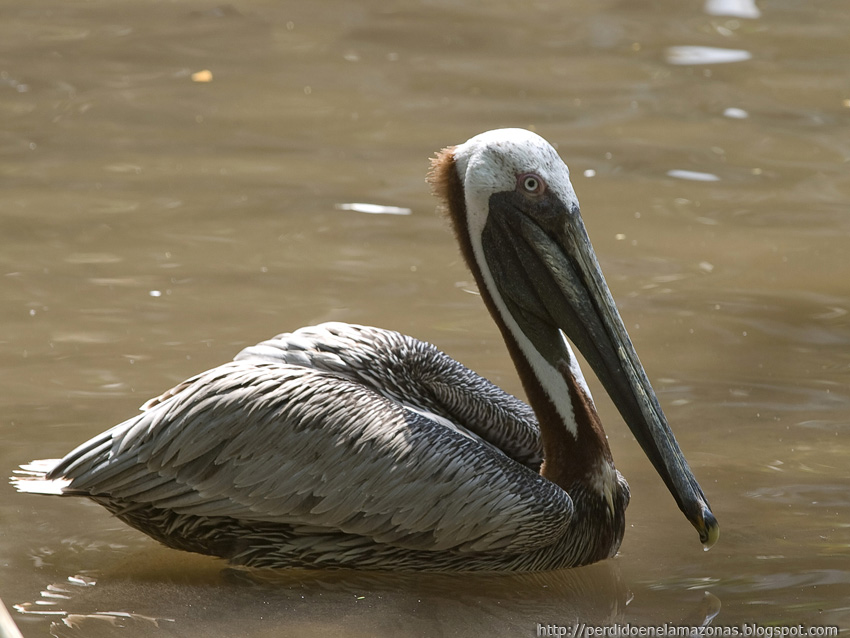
(568,460)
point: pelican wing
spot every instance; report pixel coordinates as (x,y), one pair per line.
(272,442)
(413,373)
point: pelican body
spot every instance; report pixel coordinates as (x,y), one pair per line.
(348,446)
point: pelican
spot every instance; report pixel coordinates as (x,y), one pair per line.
(348,446)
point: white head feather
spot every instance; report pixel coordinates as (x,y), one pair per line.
(491,162)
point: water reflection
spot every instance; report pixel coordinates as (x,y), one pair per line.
(705,55)
(734,8)
(247,602)
(695,176)
(374,209)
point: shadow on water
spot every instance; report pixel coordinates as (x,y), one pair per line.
(159,592)
(201,598)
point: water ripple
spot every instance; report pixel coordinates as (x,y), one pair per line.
(688,55)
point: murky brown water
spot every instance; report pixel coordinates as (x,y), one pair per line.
(151,226)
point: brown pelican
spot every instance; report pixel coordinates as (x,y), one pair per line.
(347,446)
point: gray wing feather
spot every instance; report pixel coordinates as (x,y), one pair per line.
(273,442)
(415,373)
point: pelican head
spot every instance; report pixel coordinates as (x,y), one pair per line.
(517,218)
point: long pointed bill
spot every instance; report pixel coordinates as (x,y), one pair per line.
(562,288)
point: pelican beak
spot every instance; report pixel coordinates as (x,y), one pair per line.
(546,271)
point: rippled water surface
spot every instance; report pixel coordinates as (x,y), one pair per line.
(153,223)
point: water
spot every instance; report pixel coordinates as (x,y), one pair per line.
(153,225)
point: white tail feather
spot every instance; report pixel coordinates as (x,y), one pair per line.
(31,478)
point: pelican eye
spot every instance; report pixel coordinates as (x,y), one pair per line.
(531,184)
